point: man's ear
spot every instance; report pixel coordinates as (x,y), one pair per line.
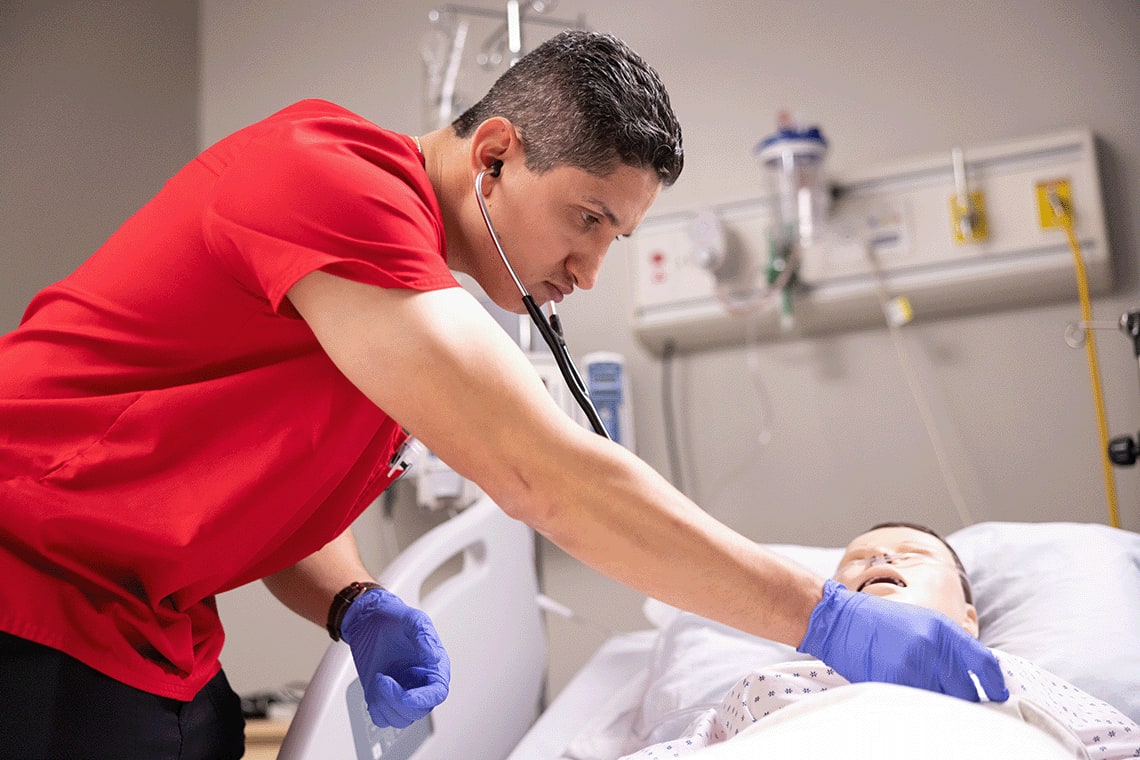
(970,622)
(495,140)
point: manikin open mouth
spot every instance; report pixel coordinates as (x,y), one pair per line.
(882,579)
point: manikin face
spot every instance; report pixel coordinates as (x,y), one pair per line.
(910,566)
(555,228)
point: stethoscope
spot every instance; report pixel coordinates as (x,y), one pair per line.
(551,330)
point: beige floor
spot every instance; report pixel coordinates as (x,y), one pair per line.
(263,738)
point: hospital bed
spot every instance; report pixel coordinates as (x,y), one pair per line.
(1064,595)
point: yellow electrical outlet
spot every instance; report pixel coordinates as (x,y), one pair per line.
(979,230)
(1045,211)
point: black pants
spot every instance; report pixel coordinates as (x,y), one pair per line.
(53,707)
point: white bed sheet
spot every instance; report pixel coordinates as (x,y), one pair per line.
(877,721)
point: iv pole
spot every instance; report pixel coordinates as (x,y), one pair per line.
(444,66)
(517,14)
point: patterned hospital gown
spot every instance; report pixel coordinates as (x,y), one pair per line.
(1105,732)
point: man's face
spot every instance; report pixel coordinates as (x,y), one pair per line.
(910,566)
(555,228)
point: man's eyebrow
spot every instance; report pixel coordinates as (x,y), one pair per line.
(601,206)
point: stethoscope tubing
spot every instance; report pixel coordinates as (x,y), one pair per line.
(552,336)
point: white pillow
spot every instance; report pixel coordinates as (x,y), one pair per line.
(1063,595)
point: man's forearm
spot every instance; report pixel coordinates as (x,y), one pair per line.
(309,586)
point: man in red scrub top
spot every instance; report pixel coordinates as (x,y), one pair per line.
(216,394)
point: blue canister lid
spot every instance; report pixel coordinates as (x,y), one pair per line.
(810,138)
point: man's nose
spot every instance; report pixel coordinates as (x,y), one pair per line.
(585,266)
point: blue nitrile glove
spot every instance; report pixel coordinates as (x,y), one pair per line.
(865,638)
(401,663)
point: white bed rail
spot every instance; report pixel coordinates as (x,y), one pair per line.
(487,616)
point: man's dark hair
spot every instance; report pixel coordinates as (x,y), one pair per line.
(585,99)
(957,560)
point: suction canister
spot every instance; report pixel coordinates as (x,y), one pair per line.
(793,160)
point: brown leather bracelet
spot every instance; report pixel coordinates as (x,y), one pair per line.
(341,601)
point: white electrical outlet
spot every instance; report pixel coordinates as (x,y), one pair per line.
(668,272)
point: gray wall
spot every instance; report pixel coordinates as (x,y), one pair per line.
(99,107)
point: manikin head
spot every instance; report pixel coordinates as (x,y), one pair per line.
(586,138)
(909,563)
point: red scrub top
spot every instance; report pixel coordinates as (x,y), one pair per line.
(169,426)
